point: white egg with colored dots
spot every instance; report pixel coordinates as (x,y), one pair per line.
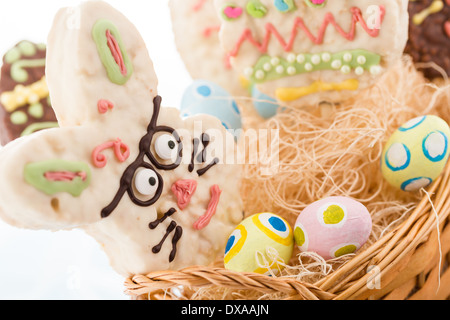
(333,227)
(253,238)
(417,153)
(206,97)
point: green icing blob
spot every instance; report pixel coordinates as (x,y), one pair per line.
(27,48)
(112,68)
(352,59)
(12,55)
(36,110)
(256,9)
(312,5)
(34,174)
(18,118)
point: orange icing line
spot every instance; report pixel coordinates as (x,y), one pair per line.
(204,220)
(299,23)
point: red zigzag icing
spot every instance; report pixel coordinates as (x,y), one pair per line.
(300,24)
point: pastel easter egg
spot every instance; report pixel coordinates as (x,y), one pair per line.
(206,97)
(255,235)
(333,227)
(416,154)
(266,106)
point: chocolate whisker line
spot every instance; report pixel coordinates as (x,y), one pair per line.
(176,237)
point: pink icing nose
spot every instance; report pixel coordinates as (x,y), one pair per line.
(183,191)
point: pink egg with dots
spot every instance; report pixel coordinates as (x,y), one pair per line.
(333,227)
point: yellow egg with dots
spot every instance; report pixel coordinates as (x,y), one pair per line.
(417,153)
(262,243)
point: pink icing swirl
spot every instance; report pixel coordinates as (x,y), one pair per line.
(183,191)
(121,151)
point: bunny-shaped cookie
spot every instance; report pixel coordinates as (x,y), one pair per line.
(152,188)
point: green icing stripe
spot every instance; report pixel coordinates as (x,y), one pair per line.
(18,72)
(112,68)
(34,174)
(273,68)
(39,126)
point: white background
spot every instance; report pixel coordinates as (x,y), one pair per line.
(70,265)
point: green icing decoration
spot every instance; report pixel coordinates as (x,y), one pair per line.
(18,118)
(12,55)
(256,9)
(36,111)
(112,68)
(27,48)
(272,68)
(19,74)
(39,126)
(34,174)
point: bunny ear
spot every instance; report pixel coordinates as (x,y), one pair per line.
(54,180)
(97,61)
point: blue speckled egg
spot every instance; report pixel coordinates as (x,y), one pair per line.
(416,154)
(255,235)
(266,106)
(206,97)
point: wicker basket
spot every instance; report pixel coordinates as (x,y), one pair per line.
(407,263)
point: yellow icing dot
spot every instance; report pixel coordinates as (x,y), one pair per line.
(333,215)
(345,250)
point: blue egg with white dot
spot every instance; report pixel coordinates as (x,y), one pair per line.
(266,106)
(417,153)
(206,97)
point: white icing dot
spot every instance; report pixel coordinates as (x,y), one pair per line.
(315,59)
(291,58)
(280,69)
(248,72)
(291,70)
(348,57)
(275,61)
(301,58)
(361,60)
(326,57)
(260,74)
(375,70)
(346,69)
(308,66)
(336,64)
(267,66)
(359,71)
